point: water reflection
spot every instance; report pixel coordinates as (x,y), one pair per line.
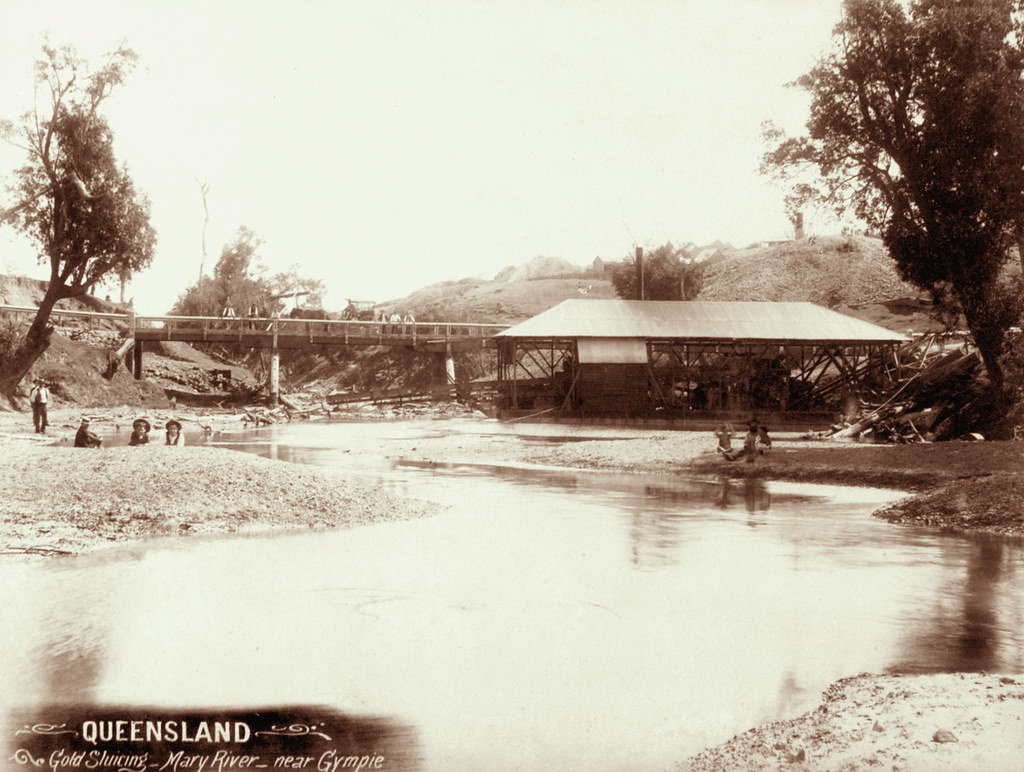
(970,623)
(546,618)
(51,649)
(756,497)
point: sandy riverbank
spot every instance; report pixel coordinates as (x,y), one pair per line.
(55,499)
(947,721)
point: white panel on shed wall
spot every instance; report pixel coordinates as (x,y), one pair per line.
(632,351)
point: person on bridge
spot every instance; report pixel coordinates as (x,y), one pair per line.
(85,438)
(396,321)
(274,316)
(140,432)
(407,323)
(228,312)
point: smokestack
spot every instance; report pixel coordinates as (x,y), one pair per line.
(639,264)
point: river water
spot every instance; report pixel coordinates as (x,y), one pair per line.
(545,619)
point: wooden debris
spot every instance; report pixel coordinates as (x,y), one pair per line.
(933,400)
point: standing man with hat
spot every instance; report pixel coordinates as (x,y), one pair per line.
(40,397)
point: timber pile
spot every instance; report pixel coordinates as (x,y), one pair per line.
(288,409)
(939,399)
(189,377)
(91,337)
(264,416)
(391,396)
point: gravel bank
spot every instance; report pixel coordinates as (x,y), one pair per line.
(952,721)
(57,500)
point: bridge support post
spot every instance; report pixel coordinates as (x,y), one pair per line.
(449,365)
(137,359)
(275,378)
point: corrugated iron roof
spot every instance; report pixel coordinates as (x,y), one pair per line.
(700,320)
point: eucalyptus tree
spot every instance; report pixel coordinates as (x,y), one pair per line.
(239,279)
(917,126)
(71,198)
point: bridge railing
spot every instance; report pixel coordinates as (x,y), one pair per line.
(61,315)
(333,328)
(191,326)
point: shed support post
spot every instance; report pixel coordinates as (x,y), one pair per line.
(515,378)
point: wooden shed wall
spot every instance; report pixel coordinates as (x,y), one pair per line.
(613,388)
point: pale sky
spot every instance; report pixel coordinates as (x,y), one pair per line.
(383,146)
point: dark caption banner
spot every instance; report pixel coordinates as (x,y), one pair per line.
(133,739)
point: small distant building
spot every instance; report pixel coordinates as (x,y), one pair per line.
(674,359)
(706,254)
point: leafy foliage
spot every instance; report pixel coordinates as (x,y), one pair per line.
(917,125)
(668,274)
(71,197)
(238,279)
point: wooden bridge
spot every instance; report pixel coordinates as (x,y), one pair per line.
(442,338)
(305,333)
(273,332)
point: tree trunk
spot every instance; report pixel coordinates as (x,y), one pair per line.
(35,343)
(989,339)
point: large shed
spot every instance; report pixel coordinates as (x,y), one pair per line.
(673,358)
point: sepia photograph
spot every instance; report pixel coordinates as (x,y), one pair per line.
(605,385)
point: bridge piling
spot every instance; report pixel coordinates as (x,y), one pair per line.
(137,360)
(275,377)
(449,364)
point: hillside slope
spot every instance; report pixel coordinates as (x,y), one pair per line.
(853,275)
(826,270)
(478,300)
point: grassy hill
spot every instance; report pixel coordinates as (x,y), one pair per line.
(498,301)
(825,270)
(853,275)
(850,274)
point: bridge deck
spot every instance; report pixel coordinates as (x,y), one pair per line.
(276,333)
(302,333)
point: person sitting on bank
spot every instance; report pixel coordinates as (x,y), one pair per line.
(140,432)
(750,442)
(749,450)
(85,438)
(763,442)
(724,435)
(174,434)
